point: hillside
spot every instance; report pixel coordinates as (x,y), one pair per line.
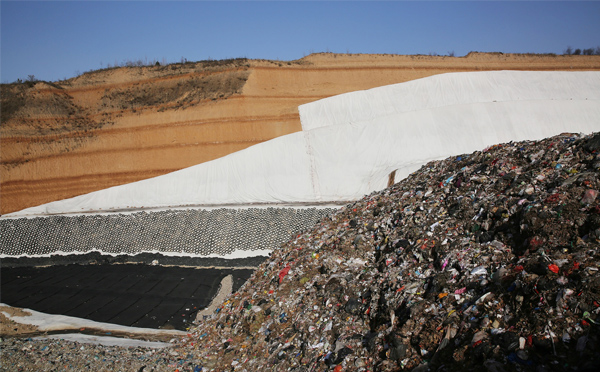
(116,126)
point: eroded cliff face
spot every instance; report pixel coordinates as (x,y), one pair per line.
(116,126)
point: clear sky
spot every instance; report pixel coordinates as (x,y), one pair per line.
(53,40)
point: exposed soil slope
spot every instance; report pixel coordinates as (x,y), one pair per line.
(115,126)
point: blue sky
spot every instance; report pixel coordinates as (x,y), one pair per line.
(53,40)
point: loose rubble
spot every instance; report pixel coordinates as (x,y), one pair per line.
(60,355)
(486,261)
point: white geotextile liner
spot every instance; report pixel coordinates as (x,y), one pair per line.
(447,90)
(345,159)
(255,174)
(354,160)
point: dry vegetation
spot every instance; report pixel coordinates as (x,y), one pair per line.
(118,125)
(171,93)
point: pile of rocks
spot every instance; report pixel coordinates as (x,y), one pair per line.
(34,354)
(484,261)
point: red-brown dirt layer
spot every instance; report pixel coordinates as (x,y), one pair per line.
(115,126)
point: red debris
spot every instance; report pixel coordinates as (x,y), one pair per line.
(283,273)
(535,242)
(518,268)
(553,199)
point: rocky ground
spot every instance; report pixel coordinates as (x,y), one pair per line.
(485,261)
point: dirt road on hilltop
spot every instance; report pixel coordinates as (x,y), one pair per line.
(116,126)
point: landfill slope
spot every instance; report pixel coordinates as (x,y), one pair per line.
(484,261)
(352,143)
(119,125)
(190,235)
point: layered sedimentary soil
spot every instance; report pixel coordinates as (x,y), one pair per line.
(115,126)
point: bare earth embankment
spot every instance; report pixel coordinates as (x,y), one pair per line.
(115,126)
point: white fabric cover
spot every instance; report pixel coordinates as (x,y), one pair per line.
(351,142)
(448,90)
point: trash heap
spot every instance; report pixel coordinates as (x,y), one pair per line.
(487,261)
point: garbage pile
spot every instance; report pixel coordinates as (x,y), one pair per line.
(481,262)
(487,261)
